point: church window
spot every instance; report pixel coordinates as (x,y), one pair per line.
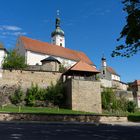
(103,71)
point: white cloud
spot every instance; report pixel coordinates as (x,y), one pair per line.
(10,28)
(19,33)
(13,33)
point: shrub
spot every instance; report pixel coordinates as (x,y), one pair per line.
(62,68)
(108,99)
(17,98)
(55,94)
(131,106)
(14,61)
(31,94)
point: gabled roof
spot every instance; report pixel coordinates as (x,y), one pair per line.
(112,71)
(2,48)
(82,66)
(53,50)
(50,58)
(136,82)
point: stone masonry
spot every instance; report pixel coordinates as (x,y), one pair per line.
(84,95)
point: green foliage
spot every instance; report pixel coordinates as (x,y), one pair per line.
(30,95)
(55,94)
(13,61)
(108,99)
(131,31)
(111,103)
(62,68)
(17,98)
(131,106)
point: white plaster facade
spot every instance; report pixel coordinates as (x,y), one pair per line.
(115,77)
(58,40)
(2,55)
(34,58)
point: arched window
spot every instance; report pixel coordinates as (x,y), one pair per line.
(103,72)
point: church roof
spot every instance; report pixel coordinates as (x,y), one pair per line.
(112,71)
(136,82)
(1,46)
(53,50)
(50,58)
(82,66)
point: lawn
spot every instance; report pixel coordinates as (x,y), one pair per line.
(135,117)
(37,110)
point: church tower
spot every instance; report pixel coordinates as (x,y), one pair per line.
(58,37)
(104,65)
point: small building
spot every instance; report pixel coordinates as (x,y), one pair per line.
(108,72)
(50,64)
(83,91)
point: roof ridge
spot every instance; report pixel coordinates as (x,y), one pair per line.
(51,49)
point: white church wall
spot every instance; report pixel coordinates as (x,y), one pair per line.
(34,58)
(2,55)
(115,77)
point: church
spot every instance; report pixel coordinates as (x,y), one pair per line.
(35,51)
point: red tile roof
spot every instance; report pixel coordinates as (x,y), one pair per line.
(136,82)
(54,50)
(112,71)
(82,66)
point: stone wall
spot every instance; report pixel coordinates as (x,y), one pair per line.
(84,95)
(11,80)
(60,118)
(26,78)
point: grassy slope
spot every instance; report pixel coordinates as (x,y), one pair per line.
(44,110)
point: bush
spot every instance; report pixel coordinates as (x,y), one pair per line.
(14,61)
(17,98)
(131,106)
(111,103)
(31,95)
(108,99)
(62,68)
(55,94)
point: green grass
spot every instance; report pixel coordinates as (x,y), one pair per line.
(135,117)
(41,110)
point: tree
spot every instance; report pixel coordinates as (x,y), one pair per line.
(131,31)
(13,61)
(17,97)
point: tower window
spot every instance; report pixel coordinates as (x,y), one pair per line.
(60,44)
(103,72)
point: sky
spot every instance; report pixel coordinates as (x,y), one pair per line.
(91,26)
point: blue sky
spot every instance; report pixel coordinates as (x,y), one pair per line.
(91,26)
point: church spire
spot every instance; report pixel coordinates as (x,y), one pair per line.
(58,37)
(57,24)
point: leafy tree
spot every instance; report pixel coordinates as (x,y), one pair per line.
(108,99)
(55,94)
(17,98)
(13,61)
(62,68)
(131,31)
(131,106)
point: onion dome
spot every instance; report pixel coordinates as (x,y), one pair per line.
(58,30)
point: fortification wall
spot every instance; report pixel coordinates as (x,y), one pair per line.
(26,78)
(84,95)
